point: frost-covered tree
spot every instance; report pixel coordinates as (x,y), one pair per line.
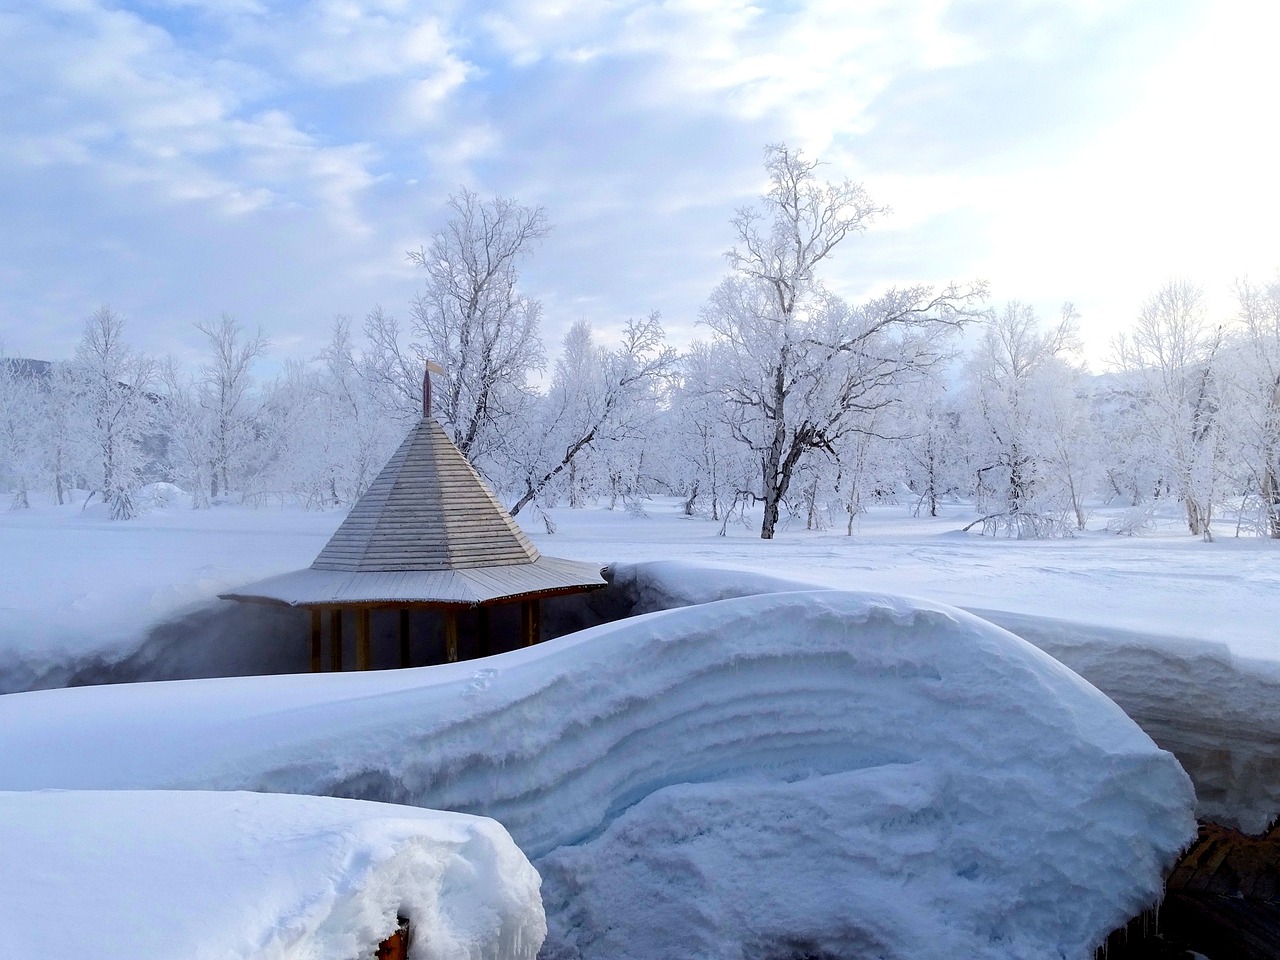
(870,463)
(114,411)
(1171,356)
(1021,396)
(58,430)
(598,397)
(329,429)
(394,370)
(22,406)
(186,424)
(226,394)
(803,367)
(706,464)
(472,318)
(931,448)
(1254,373)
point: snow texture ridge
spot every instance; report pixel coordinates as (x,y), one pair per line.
(1216,710)
(118,875)
(813,773)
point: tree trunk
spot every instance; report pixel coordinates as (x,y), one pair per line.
(777,482)
(812,521)
(1193,515)
(770,515)
(1271,499)
(57,476)
(691,500)
(773,482)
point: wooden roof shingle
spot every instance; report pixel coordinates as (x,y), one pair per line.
(428,530)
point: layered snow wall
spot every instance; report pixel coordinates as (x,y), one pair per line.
(121,875)
(802,774)
(1218,712)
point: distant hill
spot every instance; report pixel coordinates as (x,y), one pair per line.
(35,369)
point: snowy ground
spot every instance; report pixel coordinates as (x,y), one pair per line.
(78,585)
(819,773)
(1179,632)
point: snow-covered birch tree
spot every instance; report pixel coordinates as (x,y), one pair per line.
(186,424)
(115,410)
(1020,389)
(802,365)
(472,318)
(1255,375)
(709,468)
(597,396)
(931,445)
(21,410)
(58,430)
(226,384)
(1172,354)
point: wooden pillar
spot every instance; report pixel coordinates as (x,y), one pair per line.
(363,653)
(315,639)
(406,657)
(531,621)
(335,639)
(484,632)
(450,635)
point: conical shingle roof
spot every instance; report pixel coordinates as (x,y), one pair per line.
(427,530)
(427,510)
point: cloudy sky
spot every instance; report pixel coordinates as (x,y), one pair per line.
(178,159)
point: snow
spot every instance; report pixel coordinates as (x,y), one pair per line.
(88,599)
(99,600)
(1217,712)
(865,831)
(117,875)
(1179,632)
(818,772)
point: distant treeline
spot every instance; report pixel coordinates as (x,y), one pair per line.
(796,401)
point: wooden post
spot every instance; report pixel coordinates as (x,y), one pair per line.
(531,621)
(363,653)
(396,946)
(450,635)
(315,639)
(405,655)
(335,639)
(483,631)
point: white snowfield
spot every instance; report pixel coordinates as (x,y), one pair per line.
(812,773)
(122,875)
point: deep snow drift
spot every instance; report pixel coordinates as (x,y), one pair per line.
(1217,712)
(121,875)
(774,776)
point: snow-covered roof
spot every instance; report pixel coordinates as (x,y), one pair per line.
(312,587)
(427,530)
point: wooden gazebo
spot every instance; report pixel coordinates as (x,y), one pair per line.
(427,535)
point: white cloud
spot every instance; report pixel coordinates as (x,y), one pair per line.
(318,137)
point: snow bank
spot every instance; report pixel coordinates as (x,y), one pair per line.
(1217,712)
(801,774)
(119,875)
(89,600)
(1214,709)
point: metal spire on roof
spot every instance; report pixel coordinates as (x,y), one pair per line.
(431,367)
